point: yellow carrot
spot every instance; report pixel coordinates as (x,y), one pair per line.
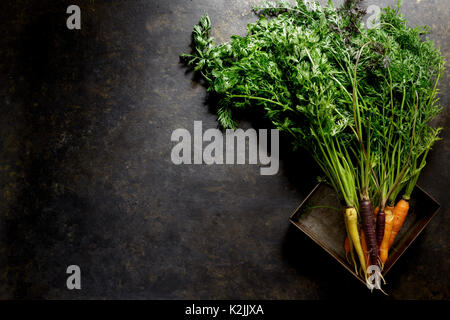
(352,226)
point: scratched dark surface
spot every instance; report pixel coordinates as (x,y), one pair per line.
(86,176)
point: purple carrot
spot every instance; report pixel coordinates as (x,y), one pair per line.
(381,218)
(365,209)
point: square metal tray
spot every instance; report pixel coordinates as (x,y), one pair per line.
(325,226)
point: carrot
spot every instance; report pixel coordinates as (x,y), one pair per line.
(350,247)
(387,235)
(400,213)
(348,250)
(365,210)
(352,226)
(375,213)
(346,245)
(364,246)
(381,219)
(363,243)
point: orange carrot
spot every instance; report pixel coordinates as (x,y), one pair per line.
(384,247)
(400,212)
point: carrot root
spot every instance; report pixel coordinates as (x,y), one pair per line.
(364,247)
(384,247)
(369,230)
(352,226)
(350,246)
(400,212)
(381,220)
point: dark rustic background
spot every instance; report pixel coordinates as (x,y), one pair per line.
(86,176)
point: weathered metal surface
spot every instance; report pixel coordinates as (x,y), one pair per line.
(86,176)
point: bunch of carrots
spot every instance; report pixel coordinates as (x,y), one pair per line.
(394,219)
(359,101)
(393,141)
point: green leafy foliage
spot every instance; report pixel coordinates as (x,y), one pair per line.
(296,65)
